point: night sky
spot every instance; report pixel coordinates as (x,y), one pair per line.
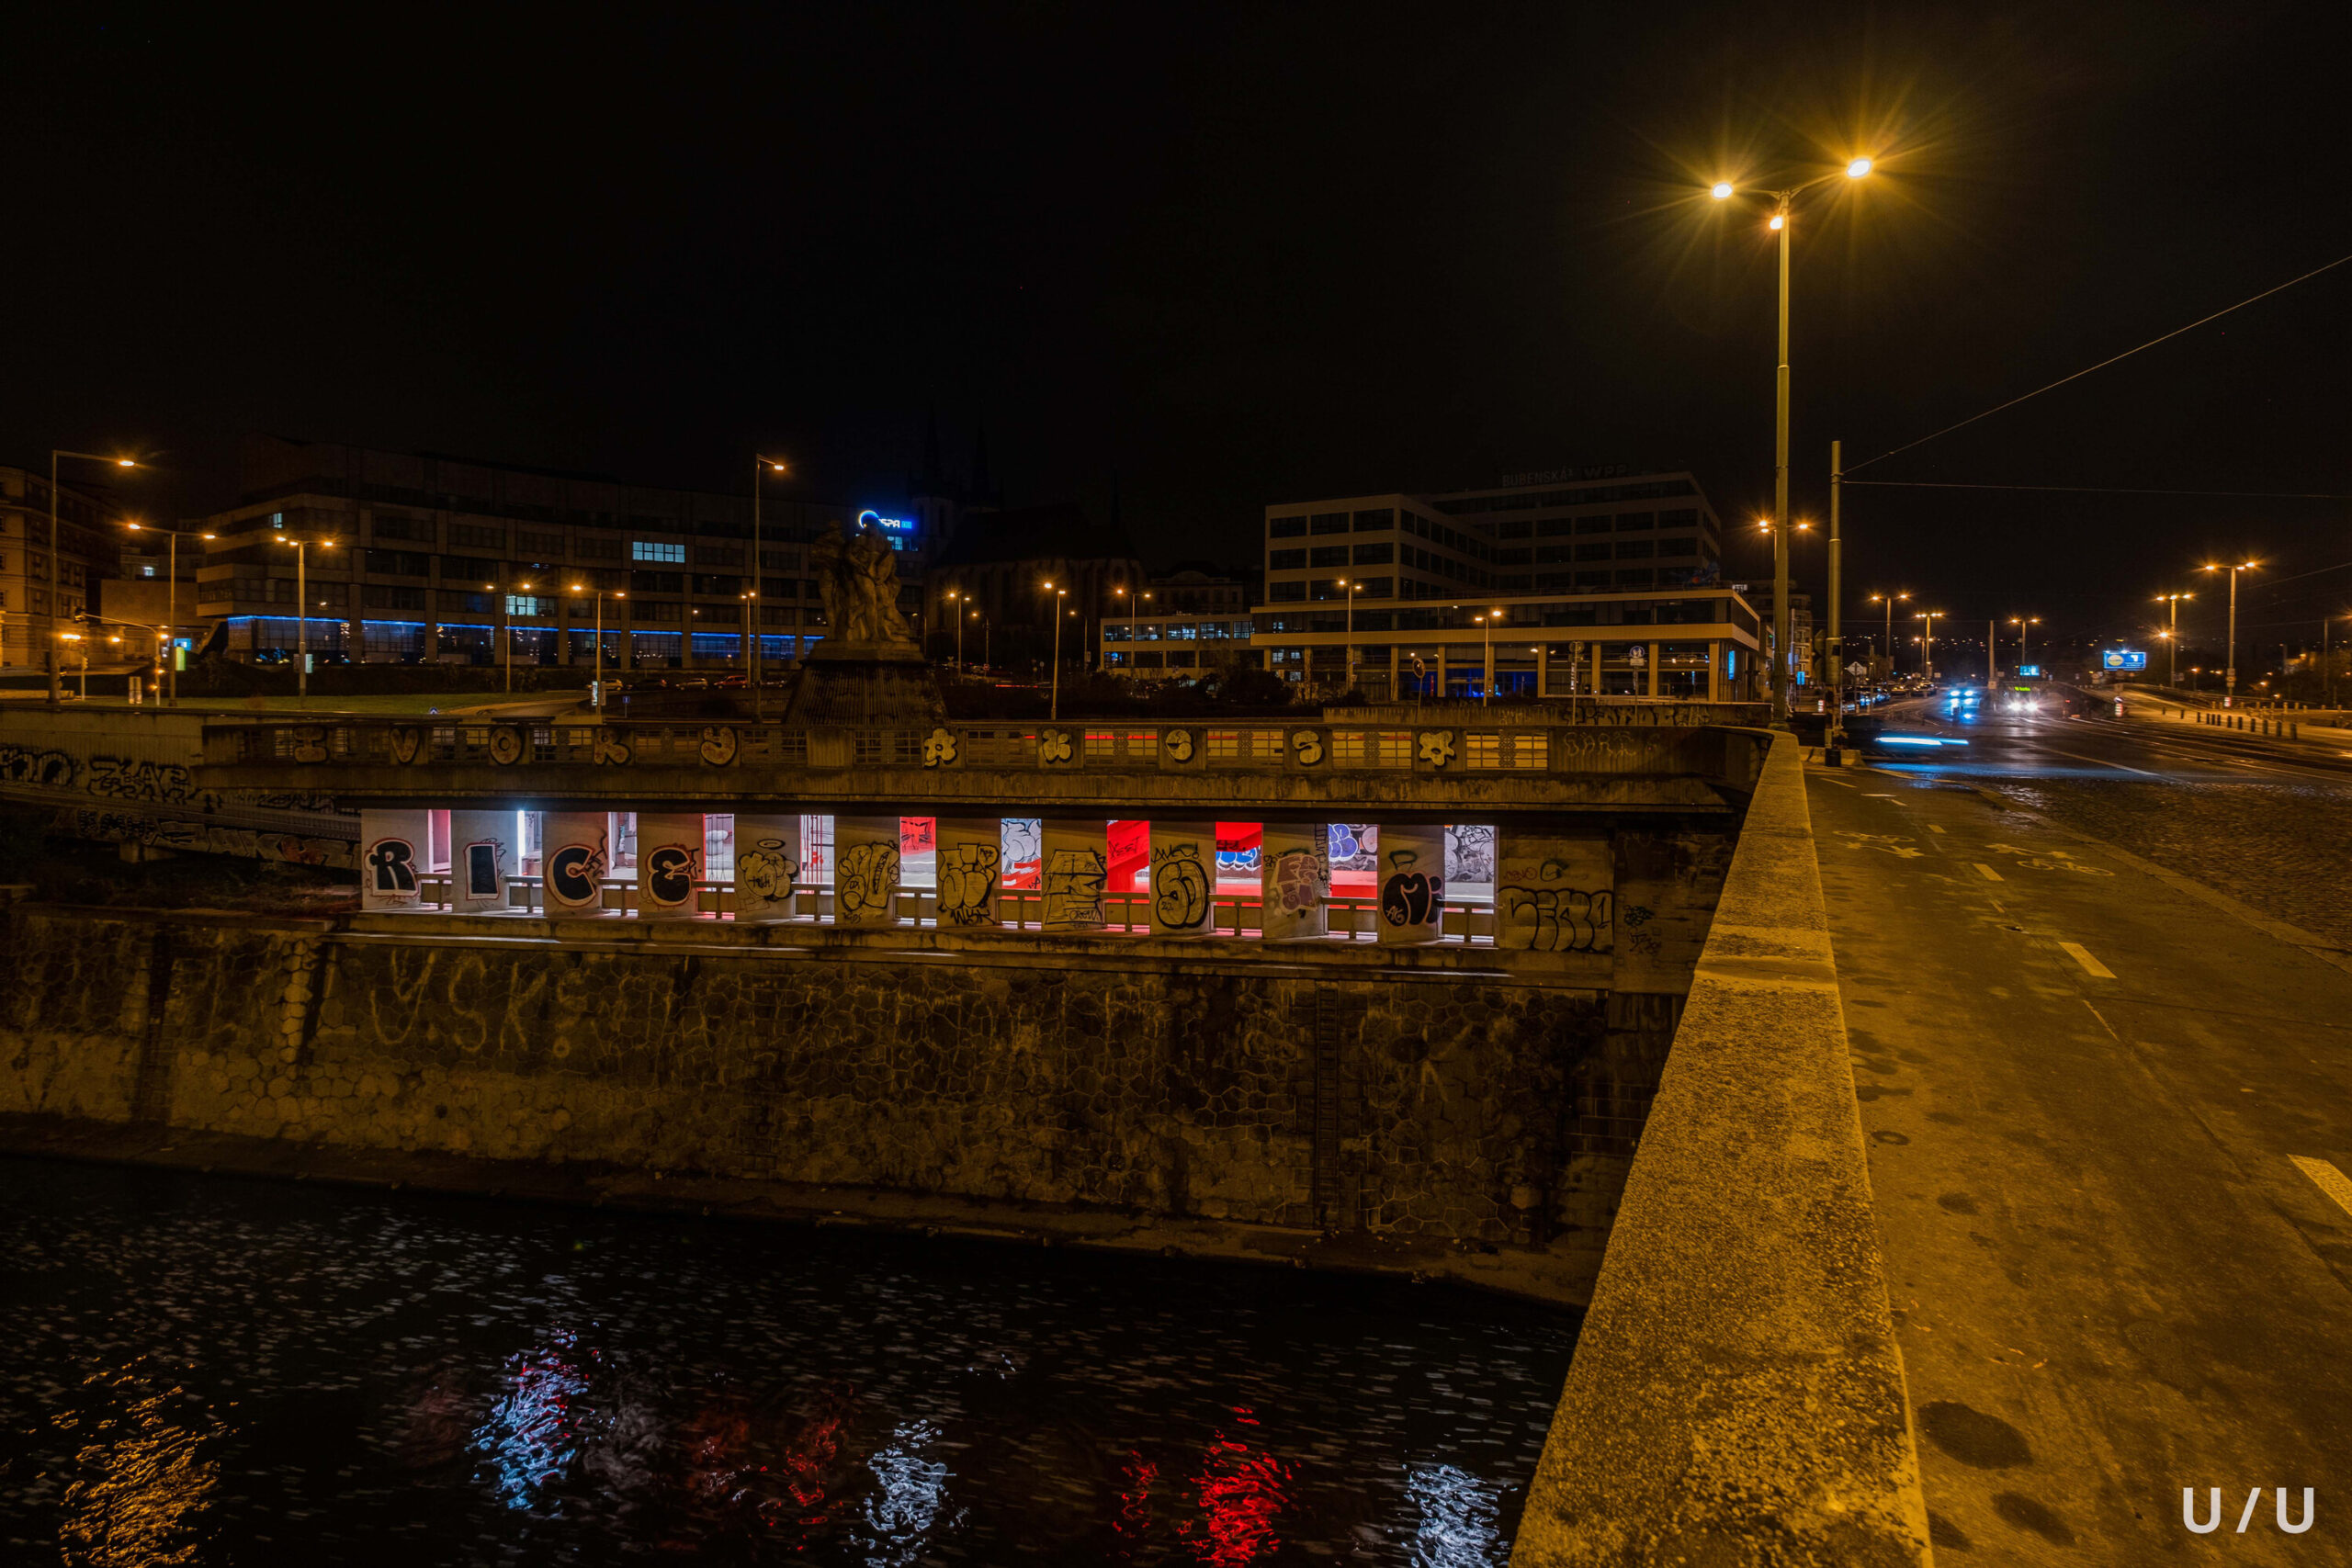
(1220,258)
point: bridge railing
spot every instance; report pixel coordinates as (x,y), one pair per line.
(1467,921)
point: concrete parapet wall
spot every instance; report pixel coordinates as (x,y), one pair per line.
(1361,1091)
(1737,1394)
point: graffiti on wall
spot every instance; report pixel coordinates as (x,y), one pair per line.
(40,769)
(1552,915)
(116,827)
(1299,883)
(1470,853)
(1074,882)
(390,865)
(967,879)
(670,873)
(765,870)
(1355,846)
(1411,894)
(1179,886)
(865,880)
(574,872)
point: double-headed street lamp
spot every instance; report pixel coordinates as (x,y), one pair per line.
(2025,625)
(583,588)
(56,566)
(1782,221)
(171,596)
(1889,601)
(2230,687)
(302,613)
(1486,687)
(2172,636)
(1354,589)
(1928,654)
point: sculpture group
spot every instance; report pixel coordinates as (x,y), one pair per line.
(857,578)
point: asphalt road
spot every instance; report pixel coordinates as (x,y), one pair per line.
(2087,1079)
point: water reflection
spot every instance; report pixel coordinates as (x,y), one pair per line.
(220,1371)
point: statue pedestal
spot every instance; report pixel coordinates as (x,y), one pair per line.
(864,682)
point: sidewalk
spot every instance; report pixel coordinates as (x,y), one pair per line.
(2085,1092)
(2160,710)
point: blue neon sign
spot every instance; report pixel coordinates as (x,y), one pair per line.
(899,531)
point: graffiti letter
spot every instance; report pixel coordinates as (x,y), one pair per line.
(393,862)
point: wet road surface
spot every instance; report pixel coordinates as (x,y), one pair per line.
(214,1371)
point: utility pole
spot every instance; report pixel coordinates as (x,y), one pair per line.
(1992,658)
(1836,650)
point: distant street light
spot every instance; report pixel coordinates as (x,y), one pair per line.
(56,575)
(1783,210)
(1486,687)
(302,615)
(1054,711)
(1354,589)
(599,677)
(1927,651)
(2172,637)
(1888,600)
(2230,686)
(171,598)
(761,464)
(2025,625)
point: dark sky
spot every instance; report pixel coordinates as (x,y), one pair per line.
(1225,257)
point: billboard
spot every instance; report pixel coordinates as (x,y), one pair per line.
(2029,672)
(2124,659)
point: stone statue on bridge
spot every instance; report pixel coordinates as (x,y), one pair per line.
(858,577)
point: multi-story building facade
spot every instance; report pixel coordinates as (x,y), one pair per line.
(1560,583)
(1181,647)
(46,582)
(418,558)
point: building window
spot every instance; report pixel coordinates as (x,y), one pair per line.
(645,549)
(1285,527)
(1101,745)
(1685,547)
(1396,747)
(1593,552)
(539,544)
(1636,549)
(718,555)
(1375,521)
(1347,748)
(390,596)
(1328,555)
(1531,750)
(475,535)
(1286,560)
(530,604)
(1635,522)
(1329,523)
(1223,745)
(1483,751)
(1592,524)
(1282,593)
(1381,553)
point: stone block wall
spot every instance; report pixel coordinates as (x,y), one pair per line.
(1327,1096)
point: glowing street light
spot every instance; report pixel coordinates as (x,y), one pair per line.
(1054,710)
(1783,210)
(2230,687)
(2172,637)
(302,614)
(1929,653)
(2025,625)
(49,652)
(599,677)
(1889,601)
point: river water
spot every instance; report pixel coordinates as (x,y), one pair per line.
(212,1371)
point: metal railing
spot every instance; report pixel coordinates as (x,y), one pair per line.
(1465,921)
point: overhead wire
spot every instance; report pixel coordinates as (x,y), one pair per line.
(2103,364)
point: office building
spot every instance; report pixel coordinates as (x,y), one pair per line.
(416,556)
(1569,578)
(46,584)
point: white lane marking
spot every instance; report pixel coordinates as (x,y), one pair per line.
(1990,874)
(2329,1179)
(2091,966)
(2099,762)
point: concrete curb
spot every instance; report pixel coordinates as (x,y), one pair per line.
(1737,1396)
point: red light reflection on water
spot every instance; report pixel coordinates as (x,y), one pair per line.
(1242,1492)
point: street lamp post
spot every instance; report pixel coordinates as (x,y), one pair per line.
(302,615)
(171,601)
(956,597)
(599,676)
(2025,625)
(1487,685)
(1782,223)
(760,464)
(1927,649)
(2172,637)
(56,566)
(1889,599)
(1054,710)
(2230,683)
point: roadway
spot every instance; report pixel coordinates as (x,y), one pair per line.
(2101,1009)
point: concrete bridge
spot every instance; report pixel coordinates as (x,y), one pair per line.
(1321,1067)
